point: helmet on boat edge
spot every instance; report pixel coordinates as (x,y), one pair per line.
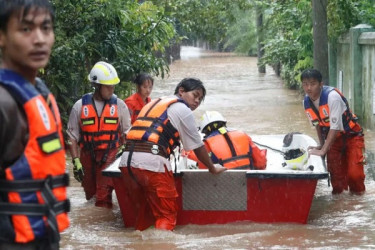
(296,159)
(211,121)
(103,73)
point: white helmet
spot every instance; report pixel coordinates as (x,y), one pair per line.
(212,120)
(103,73)
(295,154)
(296,159)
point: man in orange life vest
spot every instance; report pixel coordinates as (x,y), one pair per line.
(98,123)
(339,133)
(145,166)
(33,179)
(233,149)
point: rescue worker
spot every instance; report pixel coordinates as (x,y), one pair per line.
(97,123)
(340,135)
(145,166)
(231,148)
(33,179)
(139,99)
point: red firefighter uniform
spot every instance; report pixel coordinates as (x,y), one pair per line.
(232,149)
(135,103)
(33,190)
(99,140)
(153,133)
(345,157)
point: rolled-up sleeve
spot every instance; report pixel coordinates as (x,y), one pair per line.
(124,115)
(73,122)
(182,119)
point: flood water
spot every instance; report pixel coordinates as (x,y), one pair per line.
(258,104)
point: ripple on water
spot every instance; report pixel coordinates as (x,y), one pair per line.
(258,104)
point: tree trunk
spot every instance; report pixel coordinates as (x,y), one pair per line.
(259,23)
(320,36)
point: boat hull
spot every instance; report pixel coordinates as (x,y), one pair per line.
(264,197)
(274,195)
(269,198)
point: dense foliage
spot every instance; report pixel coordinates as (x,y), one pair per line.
(133,36)
(129,35)
(289,39)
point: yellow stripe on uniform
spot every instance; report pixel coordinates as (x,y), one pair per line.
(51,146)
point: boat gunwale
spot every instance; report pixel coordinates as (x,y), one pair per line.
(260,174)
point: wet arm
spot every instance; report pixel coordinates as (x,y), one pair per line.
(330,139)
(125,121)
(73,130)
(326,145)
(202,156)
(73,148)
(320,136)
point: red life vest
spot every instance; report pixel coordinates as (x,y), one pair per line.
(99,132)
(321,117)
(230,148)
(153,125)
(36,183)
(135,104)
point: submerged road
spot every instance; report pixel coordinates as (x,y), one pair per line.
(258,104)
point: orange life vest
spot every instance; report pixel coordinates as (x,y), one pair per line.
(99,132)
(230,148)
(321,117)
(35,185)
(135,104)
(153,125)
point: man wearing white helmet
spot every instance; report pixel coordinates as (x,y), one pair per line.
(97,124)
(231,148)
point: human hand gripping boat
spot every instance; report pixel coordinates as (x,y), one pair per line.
(283,192)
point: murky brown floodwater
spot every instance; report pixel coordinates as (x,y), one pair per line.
(258,104)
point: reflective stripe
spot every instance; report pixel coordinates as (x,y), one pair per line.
(110,121)
(51,146)
(102,68)
(88,122)
(110,82)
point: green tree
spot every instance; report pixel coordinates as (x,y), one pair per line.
(129,35)
(288,37)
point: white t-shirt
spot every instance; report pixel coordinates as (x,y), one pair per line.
(336,108)
(75,116)
(182,119)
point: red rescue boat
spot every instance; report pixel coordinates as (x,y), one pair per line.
(283,192)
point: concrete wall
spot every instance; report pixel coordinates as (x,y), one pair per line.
(352,70)
(367,42)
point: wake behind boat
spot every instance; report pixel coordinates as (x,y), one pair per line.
(283,192)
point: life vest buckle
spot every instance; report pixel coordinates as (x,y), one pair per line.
(155,149)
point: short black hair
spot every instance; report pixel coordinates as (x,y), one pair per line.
(8,7)
(190,84)
(140,78)
(311,74)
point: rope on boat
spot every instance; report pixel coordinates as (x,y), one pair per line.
(265,146)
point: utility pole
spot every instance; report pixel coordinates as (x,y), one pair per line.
(320,36)
(259,24)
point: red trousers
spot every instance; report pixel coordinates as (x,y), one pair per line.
(153,196)
(345,161)
(94,183)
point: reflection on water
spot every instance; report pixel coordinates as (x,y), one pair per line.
(258,104)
